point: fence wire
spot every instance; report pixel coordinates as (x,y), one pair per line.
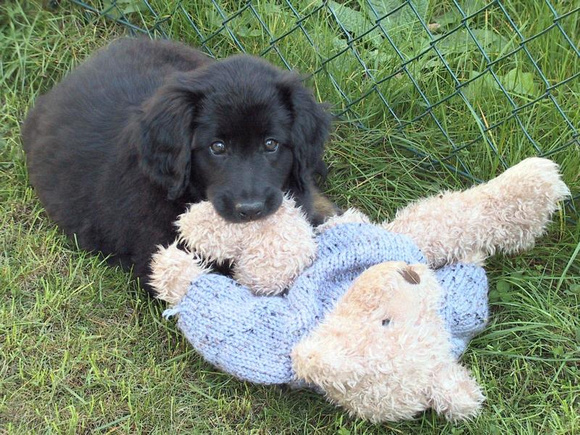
(450,79)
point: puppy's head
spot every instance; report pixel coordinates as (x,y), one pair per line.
(238,132)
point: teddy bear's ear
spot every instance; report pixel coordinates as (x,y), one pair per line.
(409,275)
(455,393)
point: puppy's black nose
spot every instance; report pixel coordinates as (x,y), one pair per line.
(250,210)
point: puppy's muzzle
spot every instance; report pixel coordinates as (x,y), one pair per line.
(249,210)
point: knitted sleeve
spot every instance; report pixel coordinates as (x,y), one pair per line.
(241,334)
(464,306)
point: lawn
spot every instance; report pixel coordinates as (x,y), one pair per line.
(83,349)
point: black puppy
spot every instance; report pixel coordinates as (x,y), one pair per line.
(120,147)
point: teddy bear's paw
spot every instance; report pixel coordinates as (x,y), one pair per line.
(533,177)
(270,275)
(172,271)
(352,215)
(523,200)
(209,235)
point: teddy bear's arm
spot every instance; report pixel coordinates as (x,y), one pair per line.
(172,271)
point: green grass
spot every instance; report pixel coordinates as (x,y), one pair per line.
(82,349)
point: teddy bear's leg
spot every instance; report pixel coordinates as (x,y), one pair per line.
(207,234)
(266,255)
(172,270)
(455,393)
(282,246)
(507,213)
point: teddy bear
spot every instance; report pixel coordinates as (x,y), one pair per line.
(373,316)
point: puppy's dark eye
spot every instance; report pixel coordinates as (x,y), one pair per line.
(217,148)
(271,145)
(386,322)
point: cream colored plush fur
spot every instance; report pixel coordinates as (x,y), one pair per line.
(267,254)
(507,214)
(351,215)
(383,353)
(172,272)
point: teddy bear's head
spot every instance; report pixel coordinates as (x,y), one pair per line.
(392,294)
(384,352)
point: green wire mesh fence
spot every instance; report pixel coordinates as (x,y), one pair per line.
(448,79)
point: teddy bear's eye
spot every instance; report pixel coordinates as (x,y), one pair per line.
(386,322)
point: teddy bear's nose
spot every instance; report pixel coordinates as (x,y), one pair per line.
(410,275)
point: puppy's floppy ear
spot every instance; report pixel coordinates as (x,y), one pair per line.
(310,128)
(166,127)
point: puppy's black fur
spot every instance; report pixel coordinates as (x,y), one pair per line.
(120,147)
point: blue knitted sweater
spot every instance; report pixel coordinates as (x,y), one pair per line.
(251,337)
